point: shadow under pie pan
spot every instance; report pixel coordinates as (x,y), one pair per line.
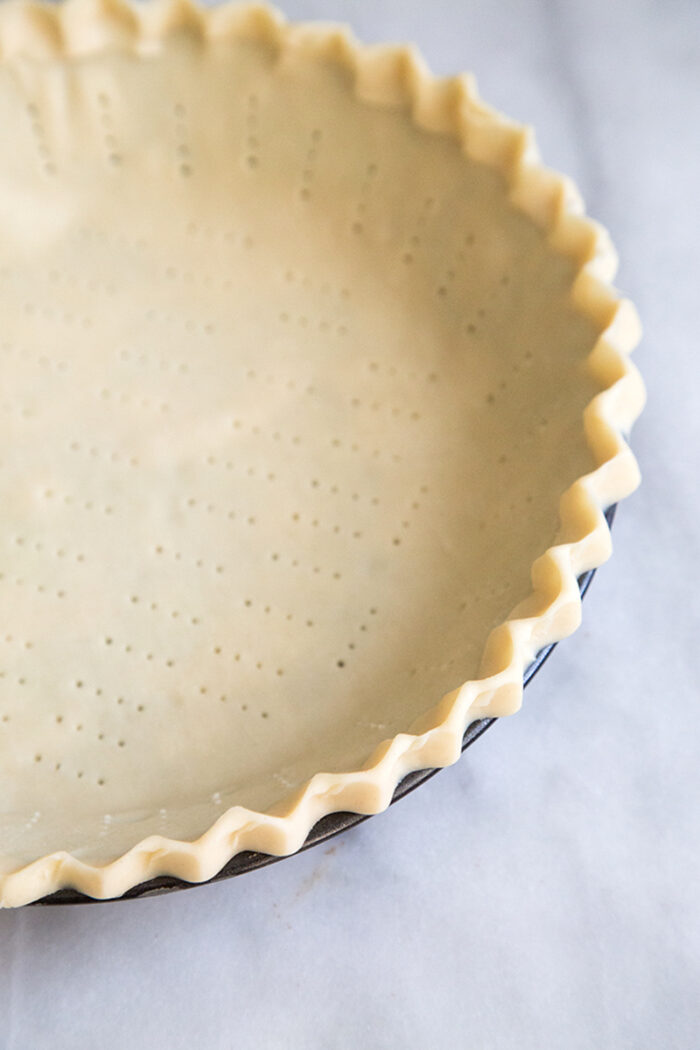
(314,395)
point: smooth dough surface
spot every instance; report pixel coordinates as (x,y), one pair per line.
(289,397)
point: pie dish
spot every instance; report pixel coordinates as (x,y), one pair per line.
(314,395)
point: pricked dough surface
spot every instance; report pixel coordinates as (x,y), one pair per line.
(290,394)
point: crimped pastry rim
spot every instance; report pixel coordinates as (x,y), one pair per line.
(388,76)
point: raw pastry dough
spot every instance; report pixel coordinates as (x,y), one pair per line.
(292,390)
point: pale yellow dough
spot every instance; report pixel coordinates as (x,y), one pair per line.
(291,392)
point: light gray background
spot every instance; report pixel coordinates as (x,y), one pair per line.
(543,893)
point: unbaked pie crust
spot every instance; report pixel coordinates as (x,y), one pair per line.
(313,396)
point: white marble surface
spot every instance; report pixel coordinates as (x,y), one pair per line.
(545,891)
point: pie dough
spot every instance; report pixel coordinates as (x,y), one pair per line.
(311,380)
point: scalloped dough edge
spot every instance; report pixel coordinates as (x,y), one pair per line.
(394,76)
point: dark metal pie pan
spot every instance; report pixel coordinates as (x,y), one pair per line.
(327,827)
